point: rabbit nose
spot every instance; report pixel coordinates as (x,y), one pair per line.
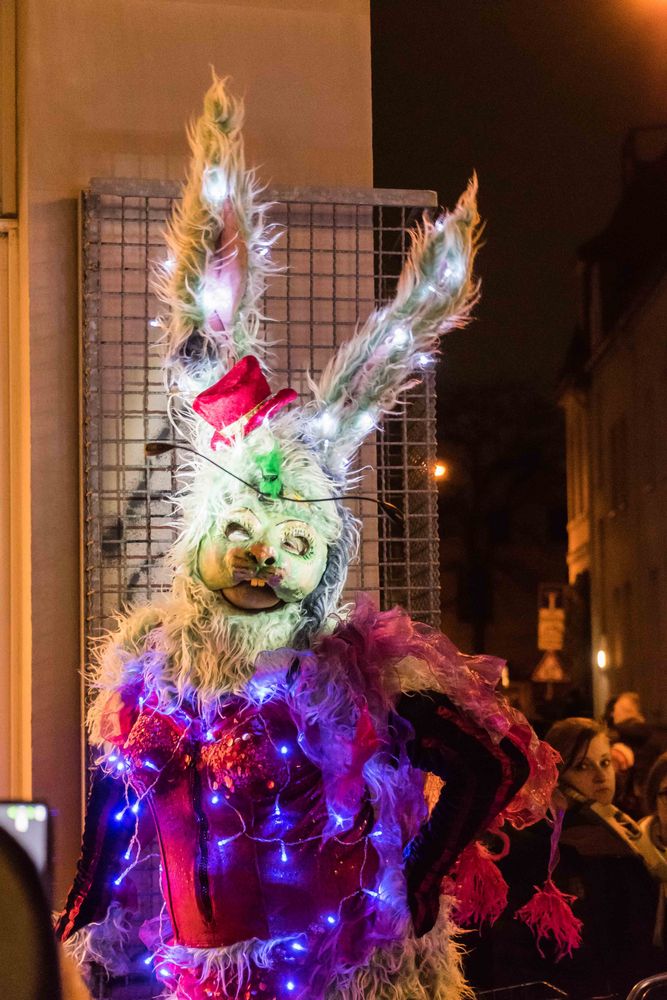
(263,554)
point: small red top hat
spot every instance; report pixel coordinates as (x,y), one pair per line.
(242,396)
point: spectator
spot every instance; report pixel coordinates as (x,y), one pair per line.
(615,896)
(654,825)
(73,986)
(634,749)
(623,706)
(33,966)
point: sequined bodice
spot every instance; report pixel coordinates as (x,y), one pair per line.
(240,811)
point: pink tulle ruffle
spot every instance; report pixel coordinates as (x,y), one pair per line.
(375,640)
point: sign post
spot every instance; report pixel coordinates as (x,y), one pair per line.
(550,636)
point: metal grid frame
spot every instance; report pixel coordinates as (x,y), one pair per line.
(340,255)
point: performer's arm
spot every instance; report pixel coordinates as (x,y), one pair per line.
(481,777)
(107,832)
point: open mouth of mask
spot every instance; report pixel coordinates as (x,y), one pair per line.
(252,596)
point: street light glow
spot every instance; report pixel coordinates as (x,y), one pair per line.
(440,470)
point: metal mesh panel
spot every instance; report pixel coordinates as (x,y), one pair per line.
(340,256)
(341,253)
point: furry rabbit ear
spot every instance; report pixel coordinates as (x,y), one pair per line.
(436,292)
(212,281)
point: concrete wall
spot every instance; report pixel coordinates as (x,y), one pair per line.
(105,89)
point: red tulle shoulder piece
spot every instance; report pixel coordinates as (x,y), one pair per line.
(549,915)
(119,714)
(478,887)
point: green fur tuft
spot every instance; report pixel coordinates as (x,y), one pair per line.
(269,466)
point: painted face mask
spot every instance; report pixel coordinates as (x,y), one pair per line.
(262,556)
(255,557)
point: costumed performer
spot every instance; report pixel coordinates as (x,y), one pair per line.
(276,744)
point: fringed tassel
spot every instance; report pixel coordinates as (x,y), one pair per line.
(549,914)
(477,886)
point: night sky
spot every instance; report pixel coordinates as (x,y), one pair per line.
(537,96)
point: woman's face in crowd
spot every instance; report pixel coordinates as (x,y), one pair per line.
(593,774)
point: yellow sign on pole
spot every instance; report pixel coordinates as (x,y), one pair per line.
(549,670)
(551,617)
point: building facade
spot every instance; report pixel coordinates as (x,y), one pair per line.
(614,394)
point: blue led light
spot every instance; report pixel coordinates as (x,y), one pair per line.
(284,750)
(290,985)
(151,765)
(113,758)
(376,833)
(118,880)
(215,799)
(128,854)
(331,919)
(147,961)
(210,735)
(276,811)
(135,807)
(262,691)
(118,817)
(283,853)
(297,947)
(120,766)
